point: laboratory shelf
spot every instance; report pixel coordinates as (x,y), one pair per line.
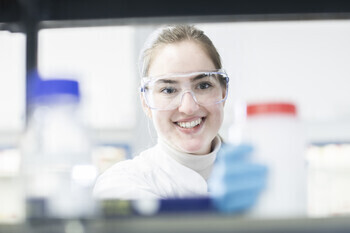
(184,223)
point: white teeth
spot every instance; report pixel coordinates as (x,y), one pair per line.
(190,124)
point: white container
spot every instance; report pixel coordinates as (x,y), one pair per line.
(328,180)
(278,140)
(57,163)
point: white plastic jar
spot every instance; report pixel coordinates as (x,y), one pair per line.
(278,140)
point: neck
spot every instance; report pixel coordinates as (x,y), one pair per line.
(200,163)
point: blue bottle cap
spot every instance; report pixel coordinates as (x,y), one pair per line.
(56,87)
(49,90)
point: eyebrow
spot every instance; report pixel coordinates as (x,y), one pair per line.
(172,81)
(166,81)
(200,76)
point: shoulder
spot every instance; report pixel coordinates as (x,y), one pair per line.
(123,178)
(141,163)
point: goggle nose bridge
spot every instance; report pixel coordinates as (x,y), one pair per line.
(191,93)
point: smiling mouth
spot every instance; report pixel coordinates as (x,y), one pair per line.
(189,124)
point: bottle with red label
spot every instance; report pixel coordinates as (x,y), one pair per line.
(277,135)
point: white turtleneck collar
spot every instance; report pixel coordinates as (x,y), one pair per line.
(202,164)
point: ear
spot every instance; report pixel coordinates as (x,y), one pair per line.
(145,107)
(223,94)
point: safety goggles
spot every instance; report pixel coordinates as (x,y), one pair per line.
(166,92)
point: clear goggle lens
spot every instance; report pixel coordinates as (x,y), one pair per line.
(166,92)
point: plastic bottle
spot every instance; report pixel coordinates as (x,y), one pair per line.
(278,140)
(57,167)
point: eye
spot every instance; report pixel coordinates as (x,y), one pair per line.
(168,90)
(204,85)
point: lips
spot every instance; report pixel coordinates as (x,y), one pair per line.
(189,124)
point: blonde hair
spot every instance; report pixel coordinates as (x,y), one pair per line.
(175,34)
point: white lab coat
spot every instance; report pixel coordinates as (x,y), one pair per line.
(152,174)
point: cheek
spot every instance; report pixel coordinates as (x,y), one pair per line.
(161,121)
(217,116)
(217,111)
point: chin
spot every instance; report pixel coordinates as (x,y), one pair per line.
(195,148)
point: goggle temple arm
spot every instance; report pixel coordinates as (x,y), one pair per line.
(143,88)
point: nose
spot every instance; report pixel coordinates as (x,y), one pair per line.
(188,104)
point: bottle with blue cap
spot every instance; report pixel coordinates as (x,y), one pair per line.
(57,166)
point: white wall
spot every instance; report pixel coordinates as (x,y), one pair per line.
(306,62)
(102,60)
(12,87)
(12,81)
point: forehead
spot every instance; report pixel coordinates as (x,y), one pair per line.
(182,57)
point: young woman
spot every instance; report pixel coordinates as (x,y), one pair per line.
(183,91)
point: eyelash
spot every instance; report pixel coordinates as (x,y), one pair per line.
(168,88)
(198,86)
(207,84)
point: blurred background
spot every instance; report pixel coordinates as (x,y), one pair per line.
(297,53)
